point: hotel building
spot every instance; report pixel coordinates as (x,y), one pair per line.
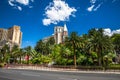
(11,36)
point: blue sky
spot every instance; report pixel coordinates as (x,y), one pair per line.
(37,18)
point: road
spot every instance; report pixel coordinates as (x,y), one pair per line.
(12,74)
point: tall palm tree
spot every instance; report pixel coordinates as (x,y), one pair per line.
(99,43)
(74,39)
(116,42)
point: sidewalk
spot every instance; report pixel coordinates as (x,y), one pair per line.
(61,69)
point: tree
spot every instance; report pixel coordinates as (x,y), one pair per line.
(5,53)
(74,39)
(99,43)
(116,42)
(61,55)
(45,47)
(40,47)
(49,45)
(51,41)
(15,53)
(28,52)
(20,55)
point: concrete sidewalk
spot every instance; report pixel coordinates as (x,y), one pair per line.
(62,69)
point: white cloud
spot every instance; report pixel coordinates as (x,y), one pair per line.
(93,6)
(46,21)
(19,8)
(95,9)
(109,32)
(92,1)
(10,2)
(90,8)
(16,3)
(24,2)
(57,11)
(116,31)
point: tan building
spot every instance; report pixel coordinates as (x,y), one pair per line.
(11,36)
(60,33)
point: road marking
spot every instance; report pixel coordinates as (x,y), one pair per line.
(67,79)
(28,74)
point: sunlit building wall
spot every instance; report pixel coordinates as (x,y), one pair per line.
(11,36)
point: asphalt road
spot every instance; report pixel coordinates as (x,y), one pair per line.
(9,74)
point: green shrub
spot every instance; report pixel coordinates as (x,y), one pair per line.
(113,67)
(90,67)
(1,65)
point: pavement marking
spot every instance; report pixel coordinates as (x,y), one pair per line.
(67,79)
(28,74)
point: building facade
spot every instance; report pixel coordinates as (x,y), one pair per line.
(11,36)
(60,33)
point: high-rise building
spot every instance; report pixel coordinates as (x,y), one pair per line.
(11,36)
(60,33)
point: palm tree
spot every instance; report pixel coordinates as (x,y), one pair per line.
(116,42)
(28,51)
(15,52)
(40,47)
(49,45)
(99,43)
(73,39)
(20,55)
(5,51)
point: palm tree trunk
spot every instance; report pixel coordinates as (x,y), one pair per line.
(20,59)
(74,56)
(99,57)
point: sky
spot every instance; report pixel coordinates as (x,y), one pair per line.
(37,18)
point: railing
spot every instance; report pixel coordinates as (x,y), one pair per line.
(60,67)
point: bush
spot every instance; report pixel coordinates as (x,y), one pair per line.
(1,65)
(36,61)
(113,67)
(90,67)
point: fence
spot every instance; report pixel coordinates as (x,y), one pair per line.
(60,67)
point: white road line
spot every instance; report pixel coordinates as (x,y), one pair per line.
(67,79)
(28,74)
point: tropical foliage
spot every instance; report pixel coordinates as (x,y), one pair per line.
(94,48)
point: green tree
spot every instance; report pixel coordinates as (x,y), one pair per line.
(49,45)
(51,41)
(74,39)
(99,43)
(28,53)
(116,42)
(40,47)
(61,55)
(5,53)
(15,53)
(20,55)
